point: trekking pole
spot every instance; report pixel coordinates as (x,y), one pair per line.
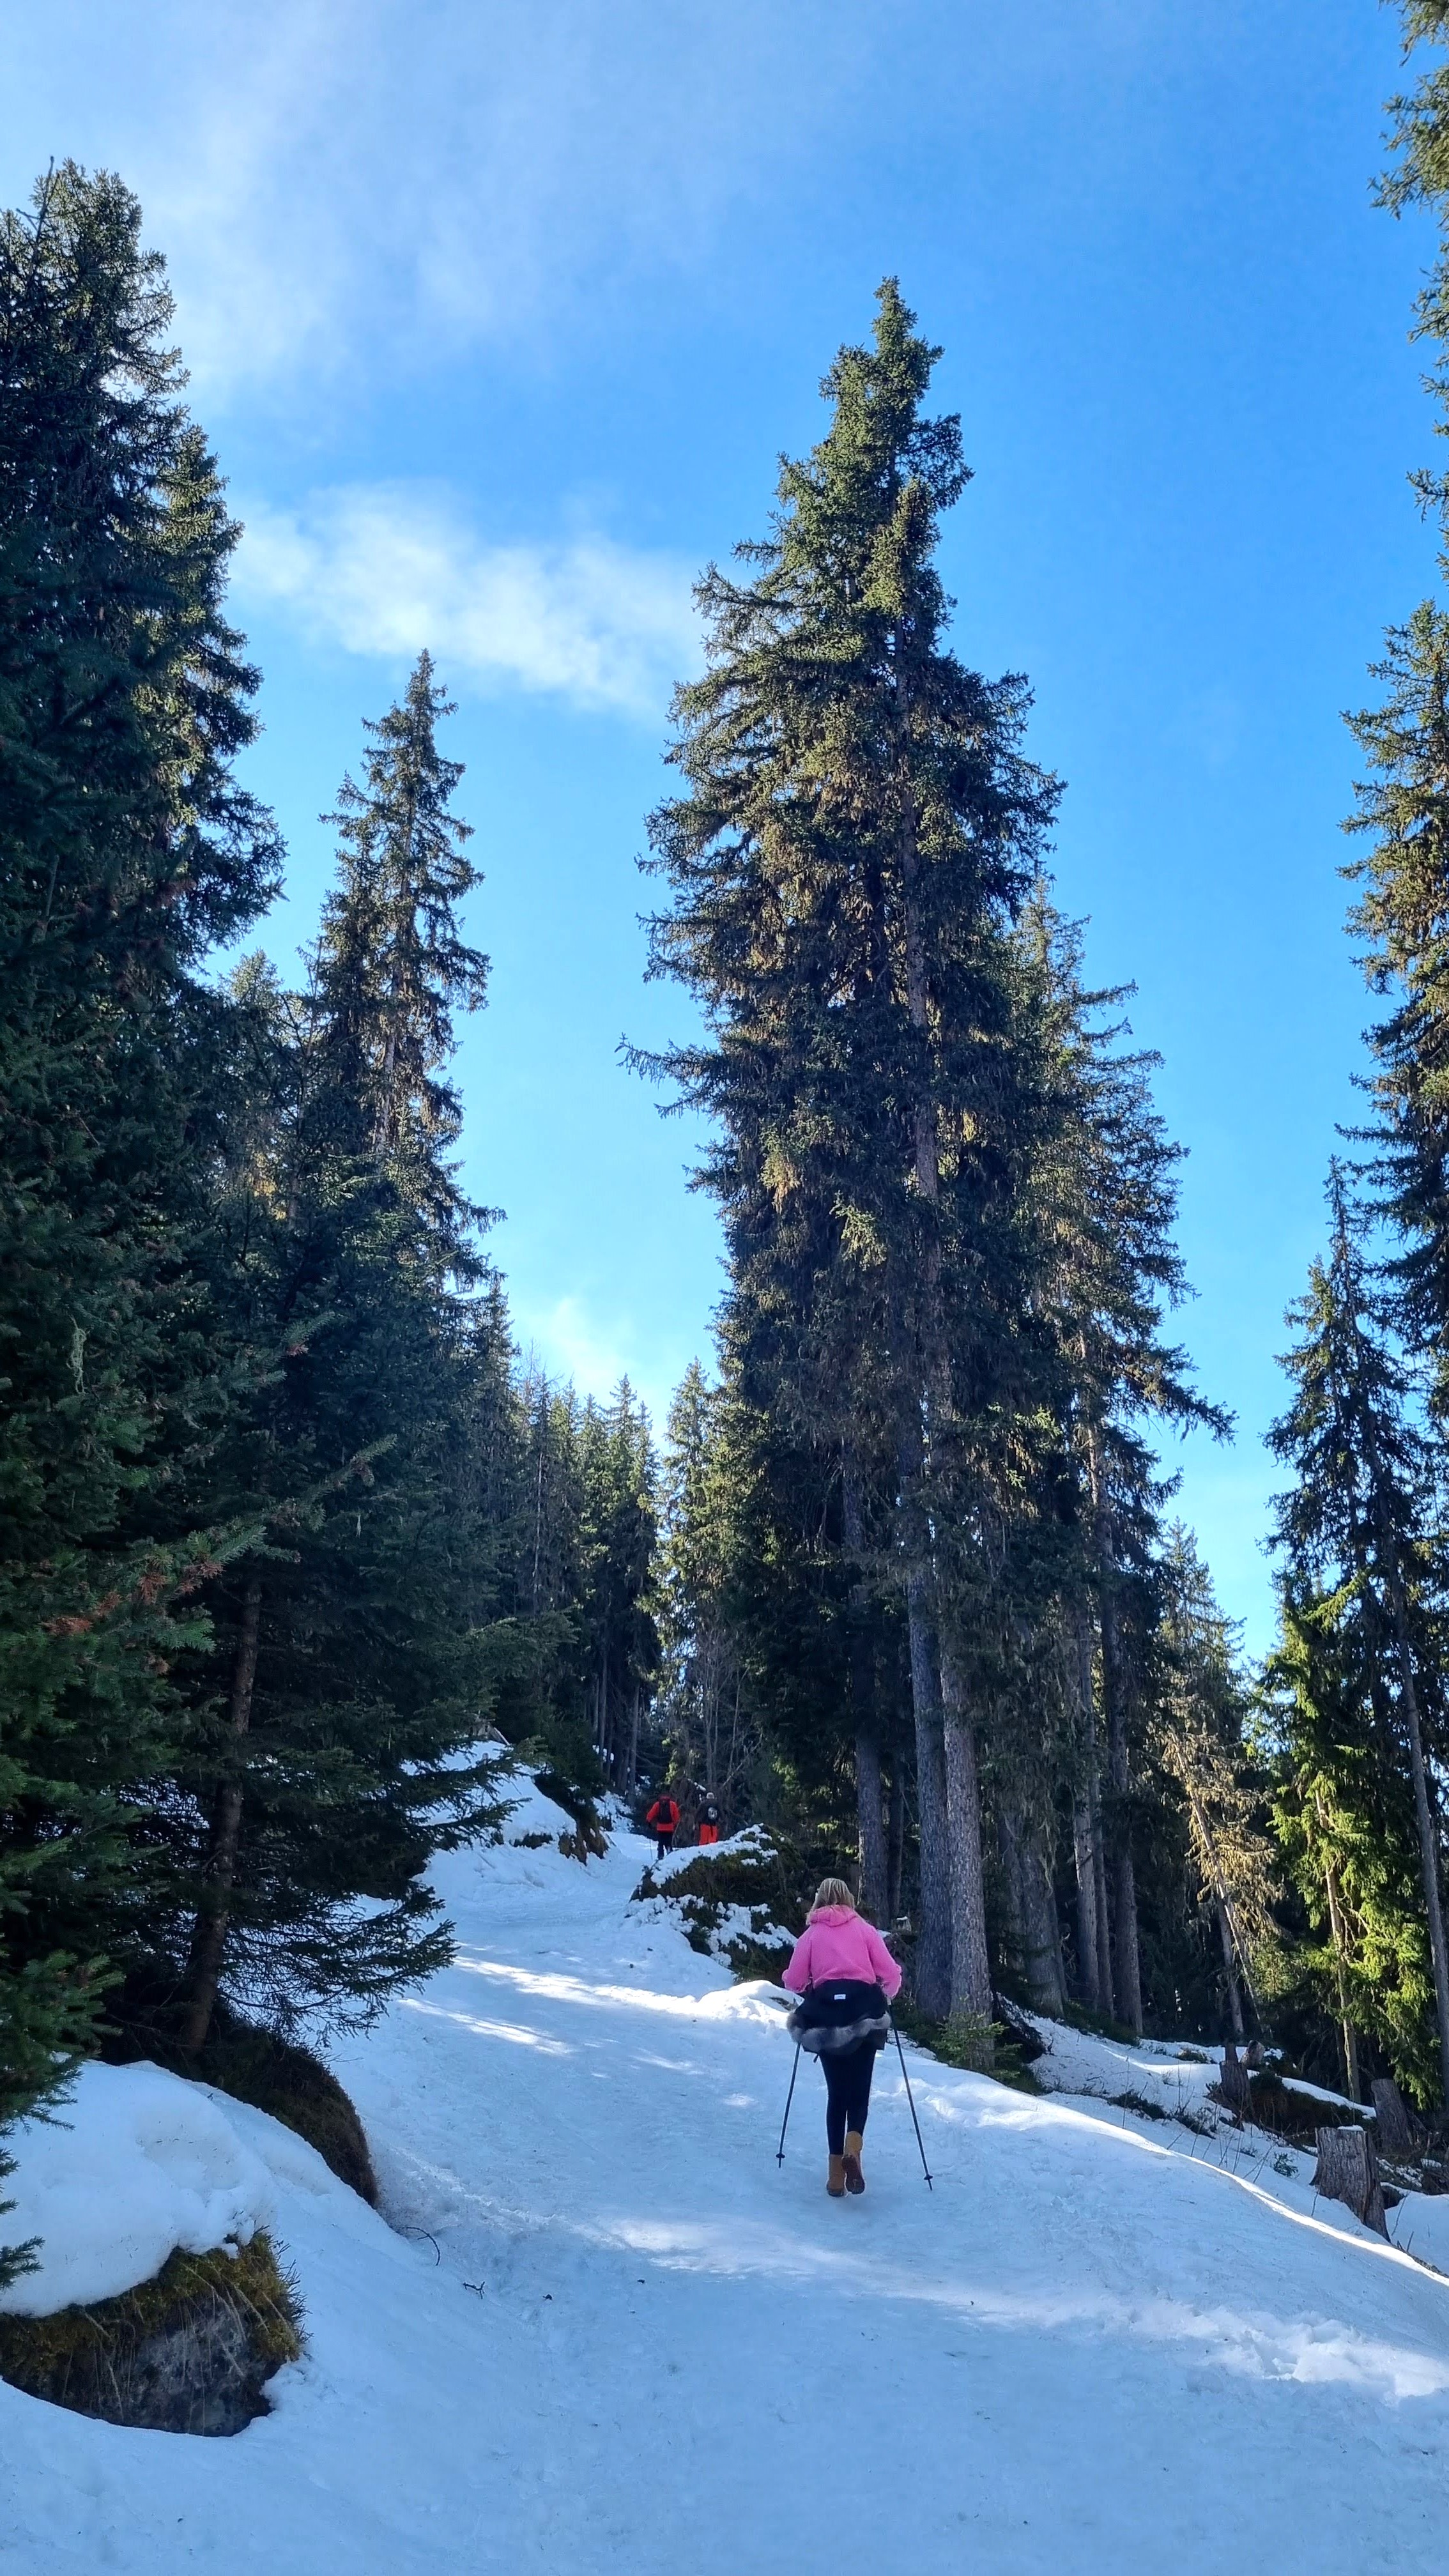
(789,2098)
(910,2097)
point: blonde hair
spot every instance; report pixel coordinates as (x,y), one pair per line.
(832,1891)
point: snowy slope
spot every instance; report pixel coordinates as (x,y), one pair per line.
(1092,2337)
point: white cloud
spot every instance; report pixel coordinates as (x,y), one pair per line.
(385,569)
(336,182)
(576,1345)
(349,190)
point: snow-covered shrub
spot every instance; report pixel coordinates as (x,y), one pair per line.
(730,1897)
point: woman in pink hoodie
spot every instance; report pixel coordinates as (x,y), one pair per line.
(847,1979)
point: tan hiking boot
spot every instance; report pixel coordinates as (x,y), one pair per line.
(854,2178)
(835,2178)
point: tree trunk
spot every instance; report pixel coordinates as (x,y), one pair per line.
(968,1973)
(871,1818)
(1087,1831)
(1086,1685)
(1087,1973)
(1428,1835)
(1235,2004)
(1043,1932)
(970,1966)
(633,1780)
(1129,1967)
(1010,1840)
(1391,2125)
(898,1833)
(1233,2084)
(208,1940)
(869,1808)
(933,1930)
(1409,1701)
(1352,2085)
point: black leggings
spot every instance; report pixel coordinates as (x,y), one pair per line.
(847,2092)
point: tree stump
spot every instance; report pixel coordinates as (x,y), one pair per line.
(1234,2089)
(1392,2127)
(1348,2170)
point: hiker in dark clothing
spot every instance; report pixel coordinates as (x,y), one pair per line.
(662,1818)
(709,1821)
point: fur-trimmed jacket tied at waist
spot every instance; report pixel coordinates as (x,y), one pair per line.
(844,2014)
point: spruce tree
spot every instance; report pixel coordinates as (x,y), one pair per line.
(1359,1533)
(1203,1716)
(1356,1527)
(1100,1206)
(707,1705)
(1344,1815)
(329,1761)
(1402,811)
(858,824)
(1402,914)
(127,850)
(621,1523)
(1419,176)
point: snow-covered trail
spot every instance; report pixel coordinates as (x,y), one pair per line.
(1079,2340)
(675,2355)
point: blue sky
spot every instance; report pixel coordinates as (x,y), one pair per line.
(499,316)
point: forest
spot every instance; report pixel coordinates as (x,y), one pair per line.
(296,1546)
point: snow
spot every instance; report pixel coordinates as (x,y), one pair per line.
(719,1926)
(629,2340)
(750,1843)
(132,2165)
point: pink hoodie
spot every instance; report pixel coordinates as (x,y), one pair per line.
(838,1942)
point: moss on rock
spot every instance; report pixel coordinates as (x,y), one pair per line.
(188,2352)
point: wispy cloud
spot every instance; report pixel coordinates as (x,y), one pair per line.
(571,1341)
(343,184)
(385,569)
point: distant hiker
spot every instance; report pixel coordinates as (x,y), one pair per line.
(662,1818)
(847,1979)
(709,1821)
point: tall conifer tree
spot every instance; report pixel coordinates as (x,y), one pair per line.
(331,1766)
(858,825)
(126,849)
(1355,1527)
(1102,1197)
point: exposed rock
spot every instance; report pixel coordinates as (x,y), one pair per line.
(190,2352)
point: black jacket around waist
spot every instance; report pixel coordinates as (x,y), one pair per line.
(841,2013)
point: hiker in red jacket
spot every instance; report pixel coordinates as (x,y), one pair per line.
(662,1818)
(709,1821)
